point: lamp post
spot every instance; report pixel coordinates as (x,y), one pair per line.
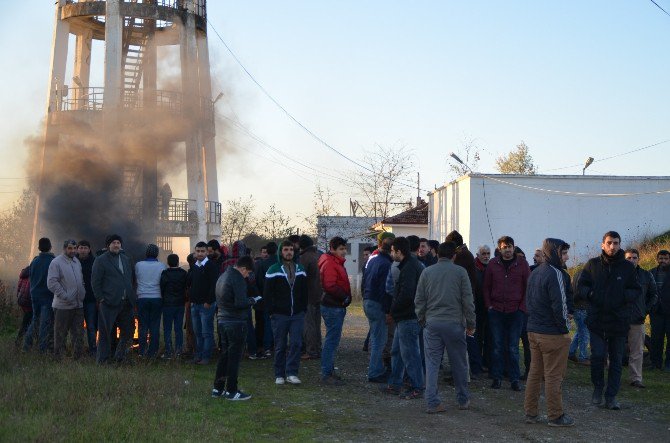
(587,164)
(458,160)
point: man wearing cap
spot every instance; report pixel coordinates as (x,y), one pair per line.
(112,282)
(66,281)
(377,303)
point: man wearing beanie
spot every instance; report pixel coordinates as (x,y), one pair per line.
(112,282)
(66,281)
(149,303)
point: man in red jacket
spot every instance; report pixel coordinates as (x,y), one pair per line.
(505,283)
(336,297)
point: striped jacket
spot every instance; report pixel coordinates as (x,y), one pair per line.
(282,297)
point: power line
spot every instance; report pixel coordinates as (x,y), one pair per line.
(294,119)
(659,7)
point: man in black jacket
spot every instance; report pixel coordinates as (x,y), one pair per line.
(609,283)
(639,310)
(660,314)
(173,292)
(90,304)
(405,352)
(234,305)
(112,283)
(548,300)
(201,286)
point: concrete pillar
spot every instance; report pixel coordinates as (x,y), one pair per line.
(195,167)
(55,89)
(206,92)
(82,68)
(150,184)
(113,55)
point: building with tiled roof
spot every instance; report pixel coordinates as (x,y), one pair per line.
(413,221)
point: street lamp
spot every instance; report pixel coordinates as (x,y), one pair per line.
(587,164)
(218,97)
(455,157)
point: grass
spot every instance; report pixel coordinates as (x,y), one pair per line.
(73,401)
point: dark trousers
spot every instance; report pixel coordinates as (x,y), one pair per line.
(91,318)
(25,324)
(69,321)
(149,311)
(259,328)
(232,335)
(660,329)
(600,347)
(287,331)
(526,344)
(251,335)
(312,334)
(42,325)
(474,355)
(505,333)
(482,335)
(107,316)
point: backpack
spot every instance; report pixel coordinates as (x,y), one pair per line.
(23,289)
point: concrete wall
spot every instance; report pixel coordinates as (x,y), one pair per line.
(523,207)
(404,230)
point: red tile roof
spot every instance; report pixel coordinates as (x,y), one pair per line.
(418,215)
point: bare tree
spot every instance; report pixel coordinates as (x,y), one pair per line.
(323,204)
(275,225)
(469,153)
(518,161)
(16,225)
(238,220)
(386,182)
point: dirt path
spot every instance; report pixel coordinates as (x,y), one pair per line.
(494,415)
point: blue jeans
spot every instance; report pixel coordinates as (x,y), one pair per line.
(203,328)
(333,318)
(505,326)
(91,319)
(173,315)
(406,356)
(378,334)
(581,337)
(614,347)
(287,331)
(149,312)
(43,319)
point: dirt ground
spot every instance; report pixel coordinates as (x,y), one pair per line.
(494,415)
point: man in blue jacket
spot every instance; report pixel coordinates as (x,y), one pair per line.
(42,298)
(548,301)
(376,304)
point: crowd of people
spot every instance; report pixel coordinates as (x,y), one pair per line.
(420,298)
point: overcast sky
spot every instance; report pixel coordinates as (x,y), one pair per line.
(572,79)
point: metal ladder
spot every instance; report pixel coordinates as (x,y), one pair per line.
(135,37)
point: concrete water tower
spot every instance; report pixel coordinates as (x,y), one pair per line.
(132,32)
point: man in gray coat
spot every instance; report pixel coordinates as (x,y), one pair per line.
(445,307)
(66,281)
(112,282)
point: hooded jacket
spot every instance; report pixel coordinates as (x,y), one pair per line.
(334,281)
(282,297)
(505,288)
(647,299)
(66,281)
(610,286)
(549,293)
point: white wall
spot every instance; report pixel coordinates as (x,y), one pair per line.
(530,215)
(420,231)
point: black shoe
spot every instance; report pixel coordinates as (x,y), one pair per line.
(637,384)
(562,421)
(516,386)
(613,404)
(597,397)
(497,384)
(379,379)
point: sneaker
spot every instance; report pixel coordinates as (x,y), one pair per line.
(294,380)
(254,357)
(237,396)
(413,394)
(280,381)
(464,406)
(637,384)
(516,386)
(166,357)
(597,397)
(218,393)
(562,421)
(331,380)
(268,354)
(378,379)
(436,409)
(532,419)
(612,404)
